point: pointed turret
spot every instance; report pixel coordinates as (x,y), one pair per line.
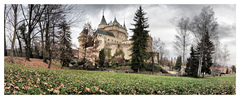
(103,21)
(124,26)
(115,22)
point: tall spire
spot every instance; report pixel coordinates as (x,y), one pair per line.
(115,20)
(103,12)
(103,21)
(124,24)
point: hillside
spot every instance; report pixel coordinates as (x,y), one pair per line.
(36,63)
(26,80)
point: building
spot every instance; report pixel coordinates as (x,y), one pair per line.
(112,37)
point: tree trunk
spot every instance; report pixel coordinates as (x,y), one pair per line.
(161,62)
(200,64)
(20,45)
(84,59)
(15,30)
(153,63)
(5,47)
(203,74)
(47,38)
(50,58)
(28,44)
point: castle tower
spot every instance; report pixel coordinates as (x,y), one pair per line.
(103,23)
(115,21)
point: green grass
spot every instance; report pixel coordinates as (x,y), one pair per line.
(25,80)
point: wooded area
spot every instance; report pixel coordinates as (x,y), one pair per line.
(42,31)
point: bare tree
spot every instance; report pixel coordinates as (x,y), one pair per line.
(32,16)
(89,27)
(202,24)
(217,56)
(15,10)
(162,52)
(156,46)
(225,54)
(182,39)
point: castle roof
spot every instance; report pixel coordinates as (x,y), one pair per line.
(104,33)
(114,23)
(103,21)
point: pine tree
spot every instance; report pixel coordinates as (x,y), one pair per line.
(139,38)
(192,63)
(102,58)
(207,53)
(65,46)
(227,72)
(178,63)
(233,68)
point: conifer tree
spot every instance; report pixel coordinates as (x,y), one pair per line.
(178,63)
(233,68)
(65,46)
(192,64)
(227,72)
(207,53)
(139,38)
(101,57)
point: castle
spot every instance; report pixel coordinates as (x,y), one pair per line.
(112,37)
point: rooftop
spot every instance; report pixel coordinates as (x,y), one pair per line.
(104,33)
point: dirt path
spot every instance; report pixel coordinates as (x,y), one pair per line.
(37,63)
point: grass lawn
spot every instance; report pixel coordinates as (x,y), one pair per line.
(26,80)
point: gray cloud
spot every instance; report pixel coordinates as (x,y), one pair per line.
(227,31)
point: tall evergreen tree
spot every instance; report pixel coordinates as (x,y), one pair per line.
(139,38)
(65,46)
(102,57)
(192,64)
(207,53)
(227,72)
(233,68)
(178,63)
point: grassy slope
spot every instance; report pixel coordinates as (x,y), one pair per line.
(26,80)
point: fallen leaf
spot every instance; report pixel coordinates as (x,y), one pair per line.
(79,92)
(56,91)
(87,89)
(96,88)
(16,87)
(9,84)
(7,87)
(38,79)
(50,89)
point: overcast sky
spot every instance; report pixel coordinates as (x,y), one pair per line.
(161,19)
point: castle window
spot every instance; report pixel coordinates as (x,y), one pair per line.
(108,39)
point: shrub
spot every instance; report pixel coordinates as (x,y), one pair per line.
(157,68)
(75,65)
(113,64)
(80,62)
(72,62)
